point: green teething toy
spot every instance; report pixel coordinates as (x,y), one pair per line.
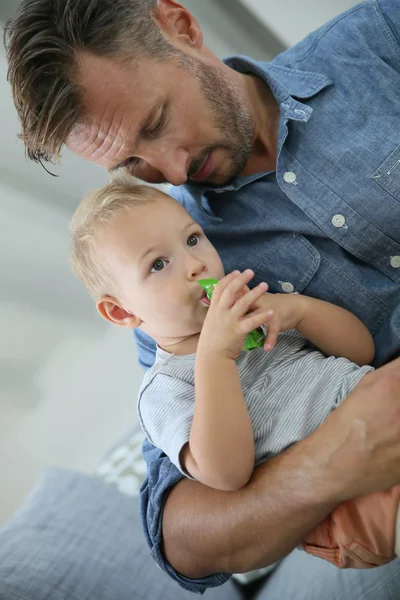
(256,338)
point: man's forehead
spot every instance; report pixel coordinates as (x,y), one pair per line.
(93,69)
(116,100)
(110,78)
(88,140)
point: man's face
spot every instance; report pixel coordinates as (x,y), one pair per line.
(162,121)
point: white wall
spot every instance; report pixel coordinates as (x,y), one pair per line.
(292,20)
(223,33)
(68,381)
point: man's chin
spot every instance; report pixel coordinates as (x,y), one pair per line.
(225,175)
(215,180)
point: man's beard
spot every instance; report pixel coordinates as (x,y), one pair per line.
(231,118)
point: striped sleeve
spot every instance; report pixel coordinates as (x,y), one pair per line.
(165,411)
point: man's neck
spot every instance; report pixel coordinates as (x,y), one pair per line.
(265,114)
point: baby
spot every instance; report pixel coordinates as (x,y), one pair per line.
(215,410)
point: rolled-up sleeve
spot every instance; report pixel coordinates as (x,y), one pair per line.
(162,475)
(146,348)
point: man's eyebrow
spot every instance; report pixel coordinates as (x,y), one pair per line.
(147,121)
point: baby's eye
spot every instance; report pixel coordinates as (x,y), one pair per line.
(158,265)
(193,240)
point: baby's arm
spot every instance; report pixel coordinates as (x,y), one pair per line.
(220,452)
(336,331)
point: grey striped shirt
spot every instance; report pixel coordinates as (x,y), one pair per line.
(288,392)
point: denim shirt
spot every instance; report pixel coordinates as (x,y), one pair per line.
(326,223)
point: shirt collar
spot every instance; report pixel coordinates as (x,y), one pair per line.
(286,84)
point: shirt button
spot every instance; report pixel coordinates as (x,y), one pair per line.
(289,177)
(395,262)
(287,287)
(338,221)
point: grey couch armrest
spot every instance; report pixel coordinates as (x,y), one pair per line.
(76,538)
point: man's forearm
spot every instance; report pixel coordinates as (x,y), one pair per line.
(207,531)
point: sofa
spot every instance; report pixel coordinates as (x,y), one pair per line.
(78,537)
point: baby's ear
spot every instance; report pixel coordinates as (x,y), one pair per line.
(112,311)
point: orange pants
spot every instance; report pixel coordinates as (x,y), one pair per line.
(359,533)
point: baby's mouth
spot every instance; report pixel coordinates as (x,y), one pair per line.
(204,299)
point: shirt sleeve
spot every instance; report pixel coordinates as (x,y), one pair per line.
(165,411)
(161,477)
(146,347)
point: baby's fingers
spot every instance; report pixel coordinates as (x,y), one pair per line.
(254,320)
(273,329)
(244,303)
(230,292)
(223,284)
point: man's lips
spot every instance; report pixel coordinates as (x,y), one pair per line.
(205,169)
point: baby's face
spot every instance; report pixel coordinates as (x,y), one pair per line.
(156,253)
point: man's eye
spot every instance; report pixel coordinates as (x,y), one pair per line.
(158,265)
(131,163)
(193,240)
(158,126)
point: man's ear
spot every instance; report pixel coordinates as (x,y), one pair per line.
(112,311)
(178,24)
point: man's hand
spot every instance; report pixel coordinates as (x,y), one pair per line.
(362,437)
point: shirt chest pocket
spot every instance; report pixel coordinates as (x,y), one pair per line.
(388,174)
(286,261)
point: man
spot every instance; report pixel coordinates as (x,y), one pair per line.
(293,169)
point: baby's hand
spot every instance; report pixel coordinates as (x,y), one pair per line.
(285,311)
(234,312)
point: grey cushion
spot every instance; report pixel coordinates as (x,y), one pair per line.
(76,538)
(303,577)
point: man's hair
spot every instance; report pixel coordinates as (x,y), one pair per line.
(43,41)
(93,216)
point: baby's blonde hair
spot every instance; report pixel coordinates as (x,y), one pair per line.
(92,216)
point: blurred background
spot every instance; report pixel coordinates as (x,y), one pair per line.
(68,382)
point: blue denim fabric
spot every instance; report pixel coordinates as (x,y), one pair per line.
(326,223)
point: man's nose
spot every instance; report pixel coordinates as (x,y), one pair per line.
(173,164)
